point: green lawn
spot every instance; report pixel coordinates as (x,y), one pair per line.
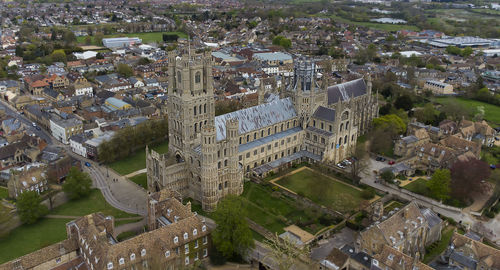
(141,180)
(29,238)
(95,202)
(419,186)
(4,193)
(123,222)
(491,155)
(146,37)
(438,247)
(136,161)
(323,190)
(491,112)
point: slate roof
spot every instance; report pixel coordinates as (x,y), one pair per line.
(324,113)
(257,117)
(345,91)
(431,217)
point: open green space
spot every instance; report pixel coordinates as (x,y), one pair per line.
(436,248)
(146,37)
(323,190)
(274,211)
(419,186)
(125,235)
(29,238)
(491,155)
(95,202)
(491,112)
(141,180)
(4,193)
(127,221)
(137,160)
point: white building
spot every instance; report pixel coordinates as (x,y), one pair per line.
(63,129)
(77,143)
(81,89)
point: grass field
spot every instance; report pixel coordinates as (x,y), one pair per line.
(95,202)
(323,190)
(136,161)
(29,238)
(491,112)
(4,193)
(141,180)
(146,37)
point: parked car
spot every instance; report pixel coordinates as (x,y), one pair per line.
(87,164)
(391,162)
(340,165)
(34,124)
(38,128)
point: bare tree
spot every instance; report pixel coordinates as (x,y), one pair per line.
(360,161)
(283,252)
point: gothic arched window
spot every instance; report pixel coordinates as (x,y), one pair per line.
(179,77)
(197,77)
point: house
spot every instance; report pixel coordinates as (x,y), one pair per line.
(467,253)
(438,88)
(136,83)
(30,177)
(25,150)
(83,88)
(77,144)
(407,230)
(62,128)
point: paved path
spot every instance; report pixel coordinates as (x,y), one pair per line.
(490,230)
(132,174)
(120,193)
(136,226)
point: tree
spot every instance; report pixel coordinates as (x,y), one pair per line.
(58,56)
(388,176)
(455,110)
(439,184)
(360,163)
(284,253)
(468,179)
(69,37)
(98,38)
(5,220)
(30,207)
(124,70)
(404,102)
(143,61)
(282,41)
(77,184)
(88,40)
(391,123)
(232,237)
(426,115)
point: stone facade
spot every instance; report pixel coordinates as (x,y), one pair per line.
(209,155)
(407,230)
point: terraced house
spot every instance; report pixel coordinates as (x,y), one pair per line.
(208,155)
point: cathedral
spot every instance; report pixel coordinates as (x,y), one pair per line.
(208,157)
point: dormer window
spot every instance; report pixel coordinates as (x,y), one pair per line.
(132,256)
(143,252)
(121,261)
(186,236)
(167,253)
(110,265)
(176,240)
(195,232)
(203,228)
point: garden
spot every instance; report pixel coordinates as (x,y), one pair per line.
(324,190)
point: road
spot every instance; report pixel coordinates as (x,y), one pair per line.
(11,111)
(490,230)
(121,194)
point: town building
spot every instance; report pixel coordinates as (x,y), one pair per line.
(177,238)
(63,128)
(209,155)
(408,230)
(30,177)
(467,253)
(120,42)
(438,88)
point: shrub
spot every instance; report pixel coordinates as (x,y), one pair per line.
(489,214)
(326,220)
(368,193)
(301,194)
